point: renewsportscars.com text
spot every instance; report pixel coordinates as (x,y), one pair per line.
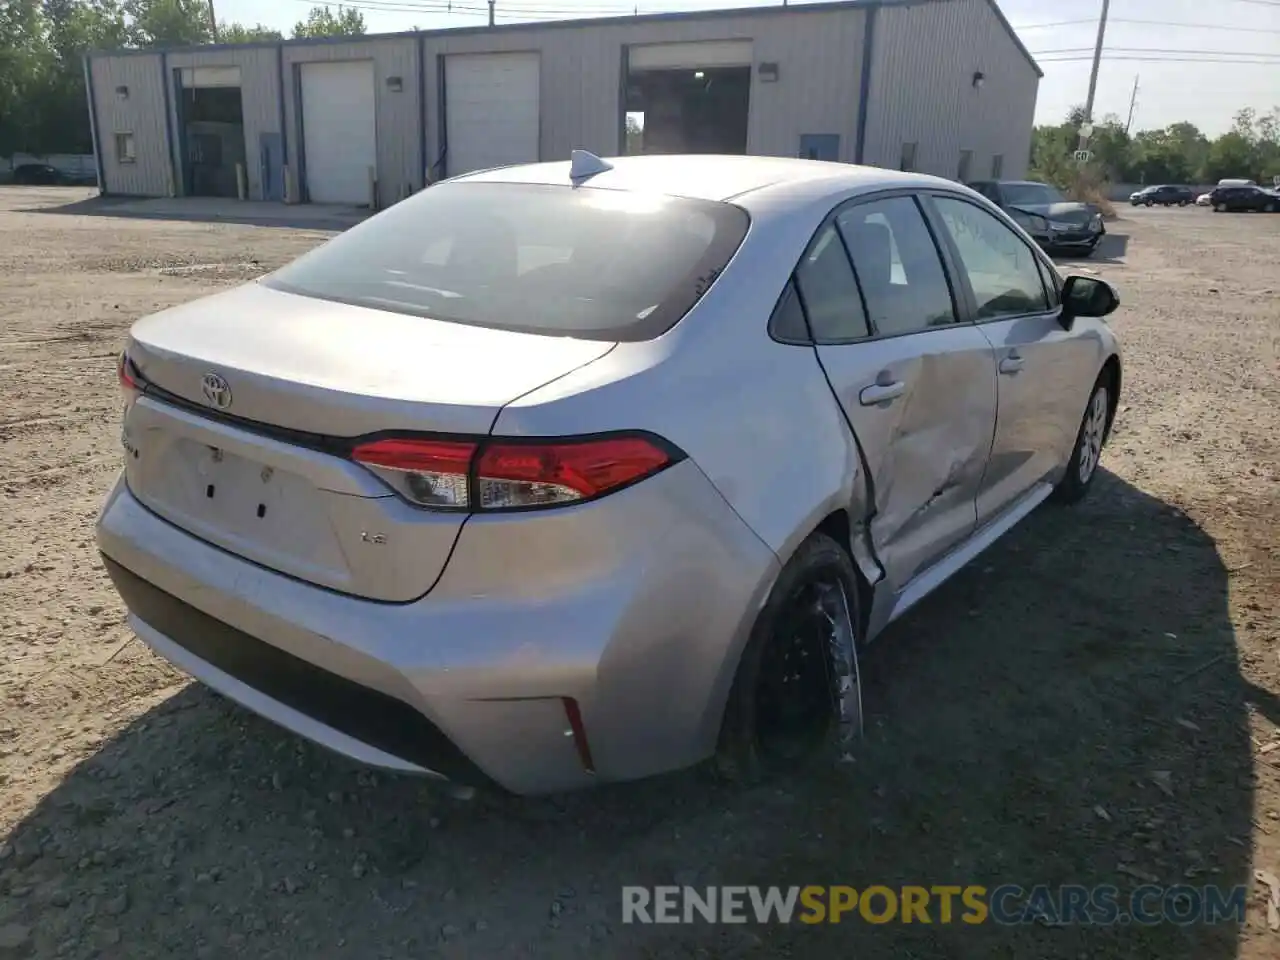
(1007,904)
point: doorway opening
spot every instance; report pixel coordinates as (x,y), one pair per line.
(687,109)
(211,126)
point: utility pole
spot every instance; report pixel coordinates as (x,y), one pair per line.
(213,22)
(491,3)
(1093,74)
(1133,101)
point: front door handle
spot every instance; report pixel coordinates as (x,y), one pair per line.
(1011,364)
(881,393)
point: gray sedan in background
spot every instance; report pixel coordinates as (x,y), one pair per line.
(585,471)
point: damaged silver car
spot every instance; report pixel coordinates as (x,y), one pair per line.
(578,472)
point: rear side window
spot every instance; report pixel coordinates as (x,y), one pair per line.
(588,263)
(897,265)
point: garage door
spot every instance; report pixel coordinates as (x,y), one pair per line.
(338,130)
(491,110)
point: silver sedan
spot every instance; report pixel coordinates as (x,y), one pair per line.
(584,471)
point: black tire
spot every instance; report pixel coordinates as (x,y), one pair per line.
(1073,487)
(747,752)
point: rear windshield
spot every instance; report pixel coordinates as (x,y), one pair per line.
(580,262)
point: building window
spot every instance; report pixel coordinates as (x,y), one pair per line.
(124,148)
(997,166)
(962,168)
(908,161)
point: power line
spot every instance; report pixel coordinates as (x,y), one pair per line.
(1151,23)
(1216,53)
(1141,59)
(1261,3)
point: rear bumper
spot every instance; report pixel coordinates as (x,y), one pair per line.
(635,607)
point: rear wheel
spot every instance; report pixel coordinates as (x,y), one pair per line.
(1270,207)
(1083,466)
(797,686)
(1219,208)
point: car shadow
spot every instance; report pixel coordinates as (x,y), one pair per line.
(1112,248)
(1067,710)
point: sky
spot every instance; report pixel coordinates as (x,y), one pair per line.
(1241,37)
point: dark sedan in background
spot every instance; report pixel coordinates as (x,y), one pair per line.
(1244,199)
(1059,225)
(1165,195)
(47,175)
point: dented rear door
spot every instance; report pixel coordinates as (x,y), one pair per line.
(926,444)
(916,382)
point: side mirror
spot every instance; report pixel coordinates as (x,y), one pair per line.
(1088,297)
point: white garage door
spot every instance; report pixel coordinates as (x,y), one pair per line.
(491,110)
(338,130)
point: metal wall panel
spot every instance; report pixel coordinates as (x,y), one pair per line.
(398,113)
(142,114)
(923,61)
(819,55)
(259,99)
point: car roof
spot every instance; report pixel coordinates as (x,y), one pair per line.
(714,176)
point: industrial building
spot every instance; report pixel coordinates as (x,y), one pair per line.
(939,86)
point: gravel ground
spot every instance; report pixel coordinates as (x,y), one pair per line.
(1094,701)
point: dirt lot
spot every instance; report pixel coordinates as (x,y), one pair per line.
(1093,702)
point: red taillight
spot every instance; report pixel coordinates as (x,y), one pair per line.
(124,371)
(527,474)
(505,475)
(429,473)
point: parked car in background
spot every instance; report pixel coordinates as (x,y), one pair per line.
(475,490)
(1205,199)
(1164,195)
(1058,225)
(39,175)
(1244,199)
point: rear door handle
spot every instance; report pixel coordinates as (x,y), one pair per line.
(1011,364)
(881,393)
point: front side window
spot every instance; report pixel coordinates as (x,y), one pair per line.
(1003,272)
(897,265)
(587,263)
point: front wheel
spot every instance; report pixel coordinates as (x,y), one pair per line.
(797,683)
(1083,466)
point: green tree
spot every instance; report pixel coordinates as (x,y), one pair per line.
(24,64)
(72,29)
(323,22)
(1231,155)
(169,23)
(239,33)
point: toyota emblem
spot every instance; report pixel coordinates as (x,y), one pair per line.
(216,390)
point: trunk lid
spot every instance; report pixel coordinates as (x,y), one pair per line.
(306,374)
